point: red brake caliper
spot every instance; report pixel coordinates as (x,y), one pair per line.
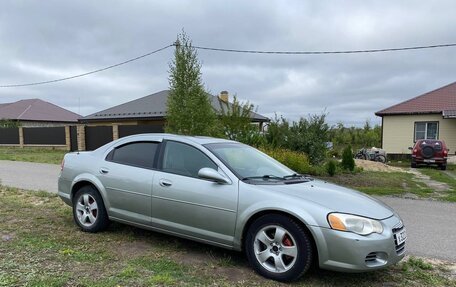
(94,212)
(287,241)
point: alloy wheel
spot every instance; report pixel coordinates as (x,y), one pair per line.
(275,249)
(86,210)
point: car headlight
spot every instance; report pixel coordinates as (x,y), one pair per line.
(353,223)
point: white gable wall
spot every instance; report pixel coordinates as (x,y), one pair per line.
(398,131)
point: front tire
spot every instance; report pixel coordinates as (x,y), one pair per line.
(278,248)
(89,212)
(380,158)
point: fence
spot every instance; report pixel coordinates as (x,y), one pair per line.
(72,138)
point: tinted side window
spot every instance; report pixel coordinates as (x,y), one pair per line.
(140,154)
(183,159)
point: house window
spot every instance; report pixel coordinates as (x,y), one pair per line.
(426,130)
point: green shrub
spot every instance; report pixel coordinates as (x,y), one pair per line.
(331,167)
(308,135)
(347,159)
(297,161)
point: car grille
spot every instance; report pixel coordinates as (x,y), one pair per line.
(400,248)
(375,259)
(371,257)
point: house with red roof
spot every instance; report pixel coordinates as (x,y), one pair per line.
(429,116)
(37,113)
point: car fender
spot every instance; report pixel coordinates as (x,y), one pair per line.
(302,212)
(87,177)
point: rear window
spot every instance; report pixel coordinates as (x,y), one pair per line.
(437,145)
(139,154)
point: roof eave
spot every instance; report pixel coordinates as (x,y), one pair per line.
(92,120)
(381,114)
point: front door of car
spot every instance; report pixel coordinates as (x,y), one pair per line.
(127,175)
(188,205)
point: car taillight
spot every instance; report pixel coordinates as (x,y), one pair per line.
(445,152)
(62,164)
(415,151)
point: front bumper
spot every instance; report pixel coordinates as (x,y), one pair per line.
(350,252)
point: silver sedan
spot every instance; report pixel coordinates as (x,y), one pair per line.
(231,195)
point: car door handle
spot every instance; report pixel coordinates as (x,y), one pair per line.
(165,182)
(104,170)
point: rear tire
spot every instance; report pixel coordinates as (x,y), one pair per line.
(278,248)
(413,165)
(89,212)
(443,167)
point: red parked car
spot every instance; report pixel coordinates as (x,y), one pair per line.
(430,152)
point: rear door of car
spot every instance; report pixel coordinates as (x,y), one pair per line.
(185,204)
(127,175)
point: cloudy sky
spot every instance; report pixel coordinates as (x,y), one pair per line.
(44,40)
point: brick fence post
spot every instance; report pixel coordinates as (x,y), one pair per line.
(21,137)
(81,137)
(67,138)
(115,132)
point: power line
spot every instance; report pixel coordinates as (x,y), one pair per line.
(87,73)
(236,51)
(326,52)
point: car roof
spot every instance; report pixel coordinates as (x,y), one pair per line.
(196,139)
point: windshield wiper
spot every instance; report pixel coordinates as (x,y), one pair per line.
(266,176)
(295,175)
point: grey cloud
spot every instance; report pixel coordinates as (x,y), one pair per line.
(52,39)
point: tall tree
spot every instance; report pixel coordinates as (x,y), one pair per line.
(189,109)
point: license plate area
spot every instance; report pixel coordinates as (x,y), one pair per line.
(400,236)
(429,160)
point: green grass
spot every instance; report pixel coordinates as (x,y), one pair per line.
(41,246)
(445,177)
(32,154)
(399,163)
(439,175)
(382,183)
(400,183)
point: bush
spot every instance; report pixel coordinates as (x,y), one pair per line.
(331,167)
(296,161)
(308,135)
(347,159)
(5,123)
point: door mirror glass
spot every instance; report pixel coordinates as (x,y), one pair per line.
(410,148)
(212,174)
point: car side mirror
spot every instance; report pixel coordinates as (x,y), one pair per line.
(213,175)
(410,148)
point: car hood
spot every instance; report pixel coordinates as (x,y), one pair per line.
(336,198)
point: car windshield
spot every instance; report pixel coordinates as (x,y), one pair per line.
(249,163)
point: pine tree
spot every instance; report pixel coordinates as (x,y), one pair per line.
(189,109)
(347,159)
